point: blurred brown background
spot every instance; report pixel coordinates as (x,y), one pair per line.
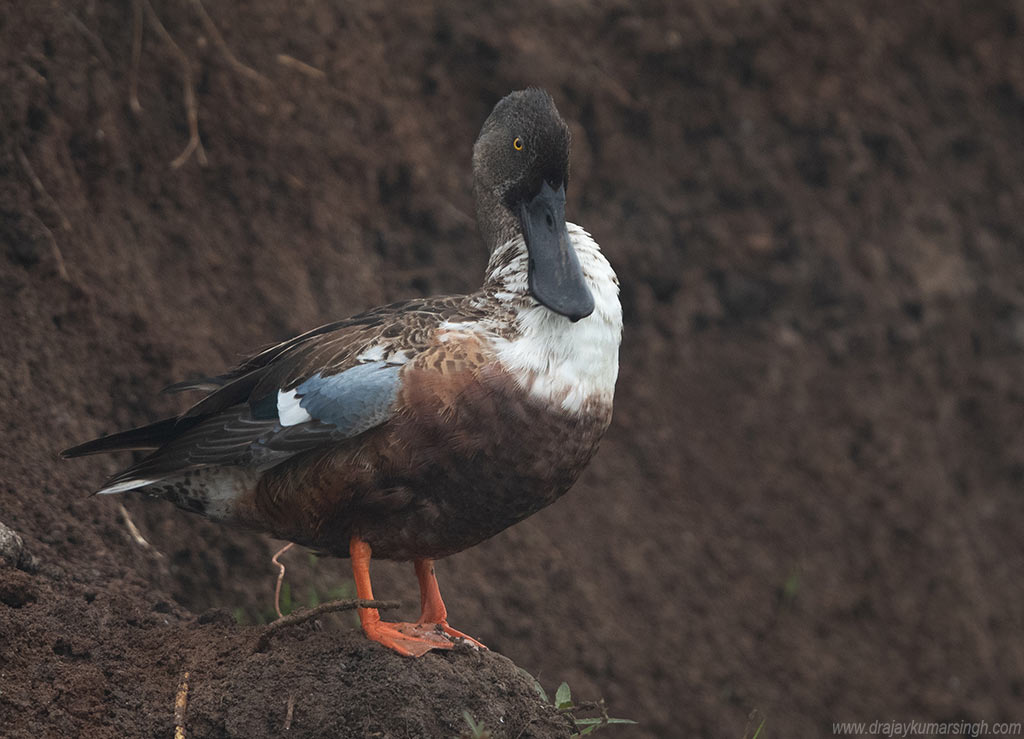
(809,504)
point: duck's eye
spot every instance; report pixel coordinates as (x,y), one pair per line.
(517,144)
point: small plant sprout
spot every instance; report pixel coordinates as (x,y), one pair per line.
(563,702)
(563,697)
(584,726)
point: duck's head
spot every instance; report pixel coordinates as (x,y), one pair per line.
(520,174)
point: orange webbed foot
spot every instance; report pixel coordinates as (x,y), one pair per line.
(415,640)
(410,640)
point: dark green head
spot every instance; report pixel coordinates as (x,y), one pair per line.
(520,175)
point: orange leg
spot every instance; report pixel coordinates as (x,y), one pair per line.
(434,613)
(409,640)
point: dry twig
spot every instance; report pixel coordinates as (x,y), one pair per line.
(180,706)
(298,617)
(133,530)
(289,712)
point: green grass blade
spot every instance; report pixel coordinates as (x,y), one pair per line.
(758,732)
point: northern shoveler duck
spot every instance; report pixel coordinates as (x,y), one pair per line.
(418,429)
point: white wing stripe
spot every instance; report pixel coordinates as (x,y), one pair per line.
(289,410)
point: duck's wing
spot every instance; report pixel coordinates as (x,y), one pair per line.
(326,385)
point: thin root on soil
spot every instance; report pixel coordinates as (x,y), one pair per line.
(133,73)
(280,577)
(218,40)
(307,69)
(195,144)
(65,224)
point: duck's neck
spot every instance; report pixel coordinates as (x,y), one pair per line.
(573,365)
(507,271)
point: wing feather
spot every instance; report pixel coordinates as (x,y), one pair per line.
(324,370)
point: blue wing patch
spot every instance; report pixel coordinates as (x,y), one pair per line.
(352,401)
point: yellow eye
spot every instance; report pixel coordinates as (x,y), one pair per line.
(517,144)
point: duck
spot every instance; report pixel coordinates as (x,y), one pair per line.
(415,430)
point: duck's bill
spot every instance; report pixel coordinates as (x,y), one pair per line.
(555,276)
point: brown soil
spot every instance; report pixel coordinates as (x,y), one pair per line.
(809,504)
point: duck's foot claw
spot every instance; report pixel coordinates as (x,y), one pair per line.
(415,640)
(458,635)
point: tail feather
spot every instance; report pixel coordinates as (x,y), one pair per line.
(123,487)
(150,436)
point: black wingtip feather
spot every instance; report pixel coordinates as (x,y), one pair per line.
(145,437)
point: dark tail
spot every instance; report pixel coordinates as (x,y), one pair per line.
(145,437)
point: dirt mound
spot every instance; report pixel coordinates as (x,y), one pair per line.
(106,662)
(810,499)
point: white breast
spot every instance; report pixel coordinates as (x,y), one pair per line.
(563,363)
